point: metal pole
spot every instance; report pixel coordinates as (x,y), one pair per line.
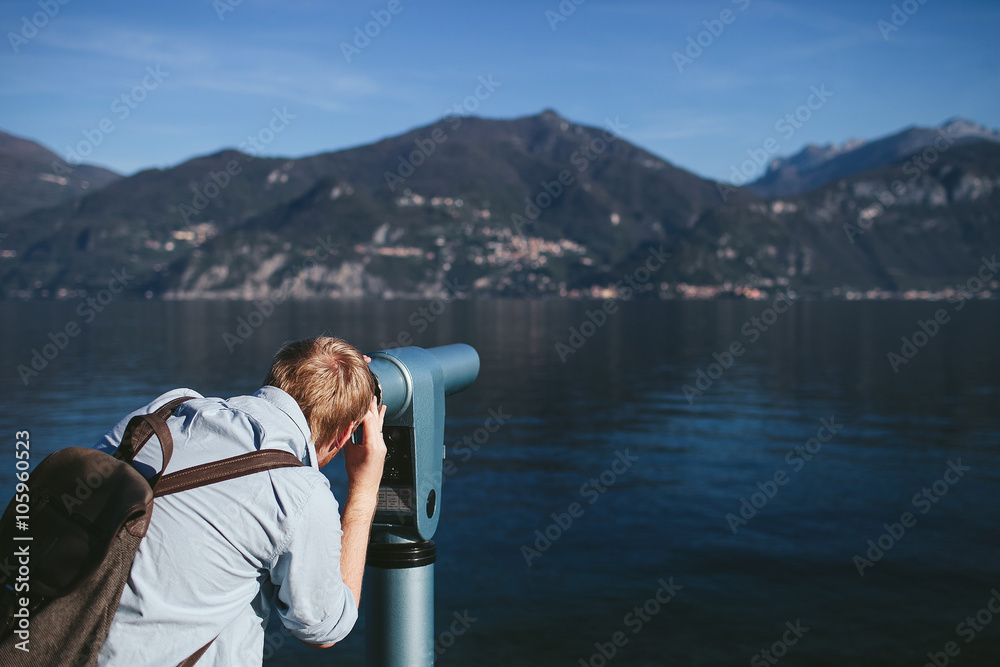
(399,594)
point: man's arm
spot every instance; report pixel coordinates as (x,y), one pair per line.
(364,464)
(311,597)
(356,524)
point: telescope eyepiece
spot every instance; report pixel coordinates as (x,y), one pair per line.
(378,388)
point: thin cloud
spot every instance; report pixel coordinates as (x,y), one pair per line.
(199,62)
(117,43)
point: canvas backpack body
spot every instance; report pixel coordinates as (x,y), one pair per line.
(69,535)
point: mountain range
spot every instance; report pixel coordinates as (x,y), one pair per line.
(814,166)
(534,206)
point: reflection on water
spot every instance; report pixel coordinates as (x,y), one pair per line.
(661,517)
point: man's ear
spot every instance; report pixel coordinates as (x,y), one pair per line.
(327,454)
(345,436)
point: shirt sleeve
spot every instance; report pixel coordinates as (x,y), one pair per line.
(311,597)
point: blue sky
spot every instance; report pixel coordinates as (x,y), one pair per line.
(222,78)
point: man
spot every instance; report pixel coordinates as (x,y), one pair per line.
(216,559)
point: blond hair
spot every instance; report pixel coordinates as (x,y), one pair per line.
(330,381)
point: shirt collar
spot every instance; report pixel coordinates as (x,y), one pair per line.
(284,402)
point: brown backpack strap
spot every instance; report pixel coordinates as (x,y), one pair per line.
(139,430)
(219,471)
(196,656)
(167,409)
(157,426)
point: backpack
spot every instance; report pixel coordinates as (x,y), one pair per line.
(67,541)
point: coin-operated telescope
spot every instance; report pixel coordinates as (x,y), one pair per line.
(399,579)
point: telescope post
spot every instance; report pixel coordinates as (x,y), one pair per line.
(399,594)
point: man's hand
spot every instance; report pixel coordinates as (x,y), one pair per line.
(364,461)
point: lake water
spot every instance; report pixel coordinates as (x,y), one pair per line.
(653,475)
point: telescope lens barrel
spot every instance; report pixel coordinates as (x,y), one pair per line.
(460,365)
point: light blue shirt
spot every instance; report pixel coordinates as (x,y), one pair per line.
(216,559)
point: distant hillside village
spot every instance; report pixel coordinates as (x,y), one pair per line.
(536,207)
